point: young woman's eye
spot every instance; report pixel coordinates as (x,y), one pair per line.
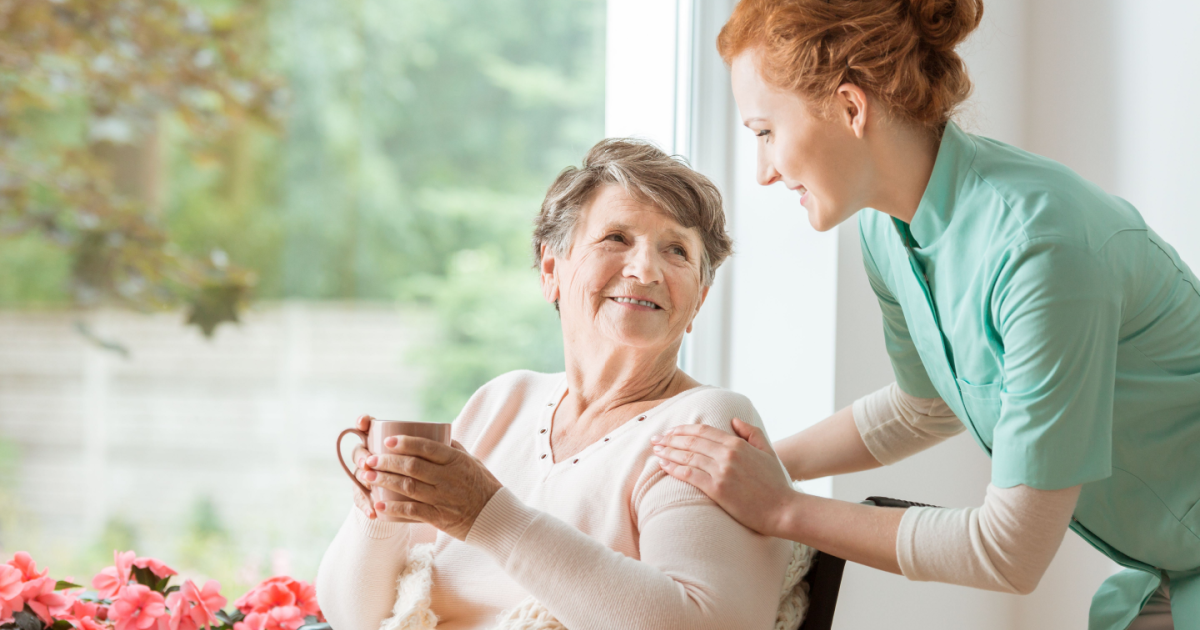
(763,133)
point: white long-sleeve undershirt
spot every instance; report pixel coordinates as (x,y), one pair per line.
(1005,545)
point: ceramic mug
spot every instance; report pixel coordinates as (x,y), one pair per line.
(373,441)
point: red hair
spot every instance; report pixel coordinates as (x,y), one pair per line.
(899,51)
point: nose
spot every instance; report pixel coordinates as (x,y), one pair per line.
(643,264)
(766,173)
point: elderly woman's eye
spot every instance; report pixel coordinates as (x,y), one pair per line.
(679,251)
(620,238)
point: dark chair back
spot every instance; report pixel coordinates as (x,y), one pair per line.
(824,583)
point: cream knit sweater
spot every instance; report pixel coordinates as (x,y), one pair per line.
(601,540)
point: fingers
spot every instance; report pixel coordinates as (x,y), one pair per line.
(365,476)
(403,465)
(702,431)
(684,457)
(363,503)
(752,434)
(407,486)
(359,456)
(695,476)
(428,450)
(364,423)
(717,450)
(411,510)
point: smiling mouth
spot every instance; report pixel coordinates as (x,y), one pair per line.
(636,302)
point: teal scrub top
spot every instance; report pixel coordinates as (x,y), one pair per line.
(1065,334)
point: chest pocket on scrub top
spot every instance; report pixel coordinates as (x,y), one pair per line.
(983,407)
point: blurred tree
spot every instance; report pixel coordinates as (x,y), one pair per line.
(421,137)
(414,132)
(84,87)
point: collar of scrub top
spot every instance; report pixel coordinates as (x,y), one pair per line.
(932,219)
(955,155)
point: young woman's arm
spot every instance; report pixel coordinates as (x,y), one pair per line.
(880,428)
(1005,545)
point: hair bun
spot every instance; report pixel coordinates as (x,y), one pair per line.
(944,24)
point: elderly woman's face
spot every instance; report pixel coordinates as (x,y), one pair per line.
(632,274)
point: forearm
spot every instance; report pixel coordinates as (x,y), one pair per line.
(356,582)
(698,569)
(858,533)
(830,447)
(1006,545)
(880,428)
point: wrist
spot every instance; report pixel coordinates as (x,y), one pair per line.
(784,523)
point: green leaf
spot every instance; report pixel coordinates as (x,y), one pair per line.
(215,303)
(144,576)
(161,585)
(230,618)
(172,589)
(61,624)
(61,584)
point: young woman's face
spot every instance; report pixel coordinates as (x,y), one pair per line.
(819,157)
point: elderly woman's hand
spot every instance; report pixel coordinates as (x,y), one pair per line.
(448,486)
(361,501)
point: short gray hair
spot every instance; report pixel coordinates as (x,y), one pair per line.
(647,174)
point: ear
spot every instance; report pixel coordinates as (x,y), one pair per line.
(549,276)
(851,107)
(703,296)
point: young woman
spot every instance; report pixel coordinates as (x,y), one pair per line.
(1020,302)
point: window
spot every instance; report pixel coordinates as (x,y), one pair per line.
(384,220)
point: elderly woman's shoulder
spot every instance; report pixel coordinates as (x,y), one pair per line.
(716,407)
(524,378)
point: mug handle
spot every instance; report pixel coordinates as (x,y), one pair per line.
(362,436)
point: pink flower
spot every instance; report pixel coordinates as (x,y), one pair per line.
(193,608)
(280,591)
(81,609)
(138,608)
(110,580)
(86,615)
(156,567)
(208,601)
(10,592)
(88,623)
(24,563)
(180,612)
(280,618)
(39,595)
(253,621)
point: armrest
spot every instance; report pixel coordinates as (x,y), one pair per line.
(900,503)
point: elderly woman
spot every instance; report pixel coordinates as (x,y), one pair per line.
(553,501)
